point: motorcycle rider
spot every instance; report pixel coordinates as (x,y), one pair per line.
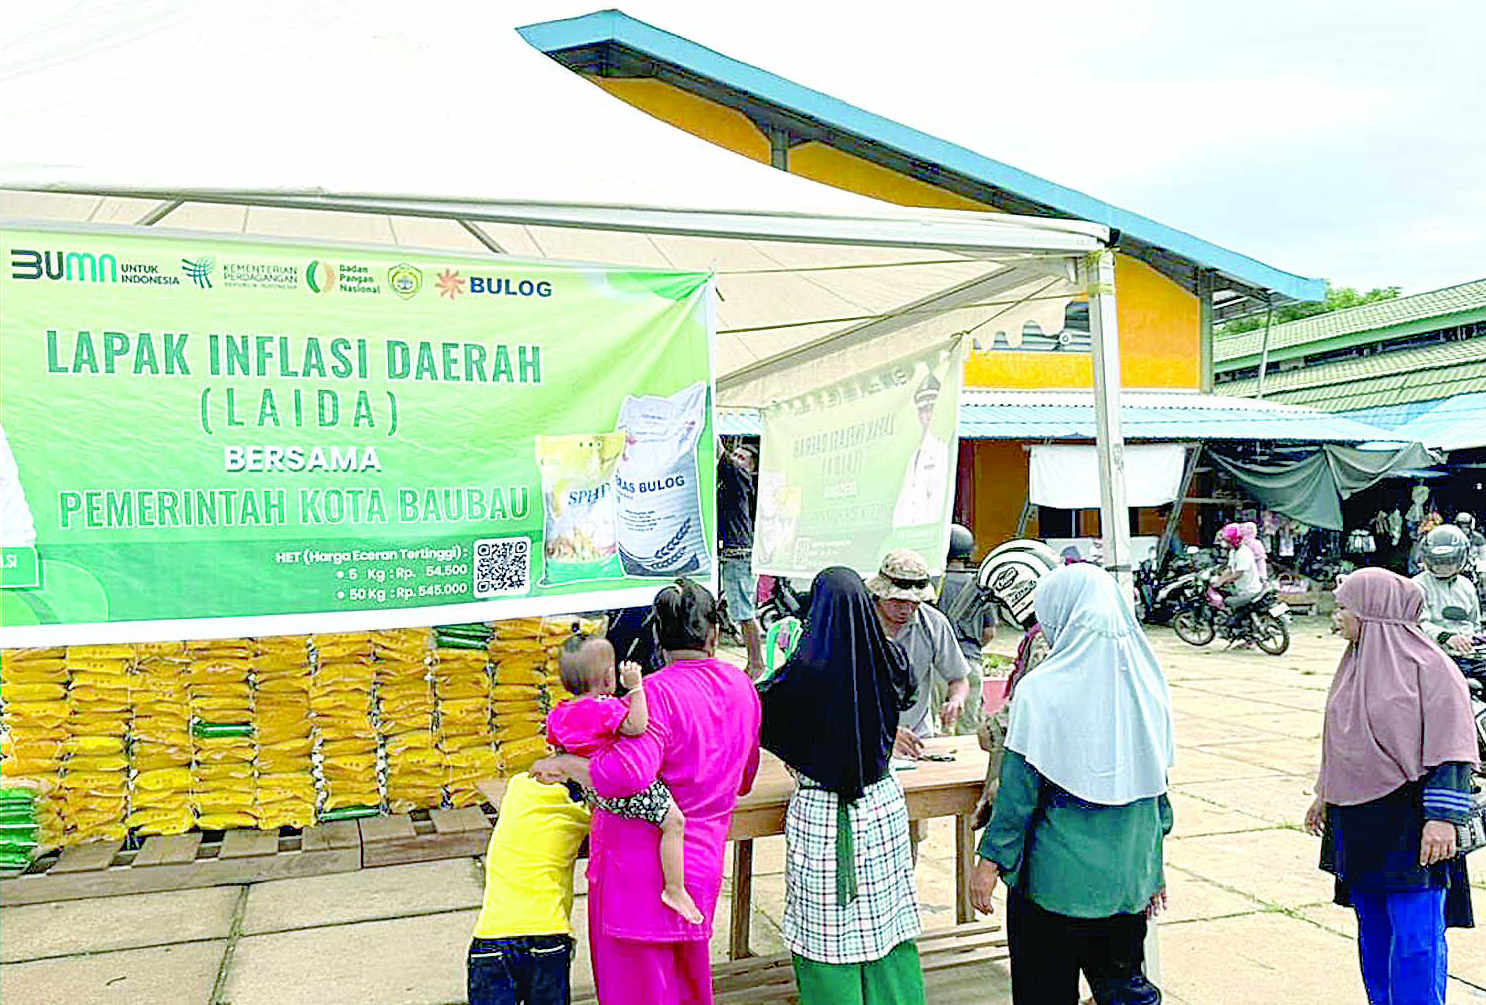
(1477,563)
(1241,572)
(1452,611)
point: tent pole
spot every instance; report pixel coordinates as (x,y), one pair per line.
(1026,518)
(1264,348)
(1194,452)
(1114,515)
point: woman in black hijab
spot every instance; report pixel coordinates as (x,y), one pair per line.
(831,714)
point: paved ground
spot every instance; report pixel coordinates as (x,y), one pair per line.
(1250,916)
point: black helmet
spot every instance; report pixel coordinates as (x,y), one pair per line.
(961,541)
(1445,550)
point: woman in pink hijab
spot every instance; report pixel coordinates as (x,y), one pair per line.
(1248,536)
(1397,751)
(703,741)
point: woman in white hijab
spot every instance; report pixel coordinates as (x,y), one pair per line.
(1081,813)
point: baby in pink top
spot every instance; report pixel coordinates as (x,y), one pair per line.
(594,721)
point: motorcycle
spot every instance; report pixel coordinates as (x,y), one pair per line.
(1159,594)
(1473,666)
(780,601)
(1264,621)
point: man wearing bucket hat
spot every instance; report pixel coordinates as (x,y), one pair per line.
(901,588)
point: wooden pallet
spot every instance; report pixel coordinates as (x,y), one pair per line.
(196,859)
(772,978)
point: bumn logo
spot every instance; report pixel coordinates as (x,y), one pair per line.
(72,266)
(199,270)
(405,280)
(321,276)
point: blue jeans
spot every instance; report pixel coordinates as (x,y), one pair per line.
(529,970)
(740,588)
(1401,940)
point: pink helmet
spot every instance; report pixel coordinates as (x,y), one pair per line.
(1231,535)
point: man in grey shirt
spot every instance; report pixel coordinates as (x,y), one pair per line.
(900,589)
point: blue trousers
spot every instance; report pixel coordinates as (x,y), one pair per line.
(1401,940)
(528,970)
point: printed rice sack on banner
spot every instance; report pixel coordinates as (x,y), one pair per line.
(661,532)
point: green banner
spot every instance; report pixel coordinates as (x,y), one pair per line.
(860,467)
(285,437)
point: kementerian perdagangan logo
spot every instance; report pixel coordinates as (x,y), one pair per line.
(199,270)
(321,277)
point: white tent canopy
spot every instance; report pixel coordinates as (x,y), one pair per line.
(294,121)
(450,132)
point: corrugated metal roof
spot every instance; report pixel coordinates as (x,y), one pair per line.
(761,86)
(1465,297)
(1168,416)
(1454,423)
(1381,380)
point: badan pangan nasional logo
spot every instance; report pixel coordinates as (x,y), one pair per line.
(320,277)
(451,284)
(405,280)
(199,270)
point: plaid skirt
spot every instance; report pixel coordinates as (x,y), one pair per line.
(884,913)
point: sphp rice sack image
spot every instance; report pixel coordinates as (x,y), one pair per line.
(578,499)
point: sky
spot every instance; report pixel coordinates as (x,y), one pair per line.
(1344,141)
(1335,140)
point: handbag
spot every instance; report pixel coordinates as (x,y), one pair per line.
(1471,835)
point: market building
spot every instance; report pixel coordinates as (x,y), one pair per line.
(1029,387)
(1413,365)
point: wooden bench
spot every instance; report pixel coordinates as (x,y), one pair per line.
(772,978)
(191,860)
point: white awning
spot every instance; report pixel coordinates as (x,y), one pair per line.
(286,121)
(1067,477)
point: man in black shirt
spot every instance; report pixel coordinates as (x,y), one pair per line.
(737,502)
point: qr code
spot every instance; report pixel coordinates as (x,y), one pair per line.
(502,567)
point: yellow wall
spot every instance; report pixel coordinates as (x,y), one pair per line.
(830,166)
(1159,322)
(698,116)
(1000,491)
(1159,342)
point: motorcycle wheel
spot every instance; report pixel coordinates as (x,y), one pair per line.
(1194,627)
(1272,635)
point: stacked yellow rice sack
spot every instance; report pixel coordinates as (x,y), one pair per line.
(461,682)
(555,631)
(95,770)
(520,659)
(341,707)
(33,683)
(224,772)
(405,707)
(281,692)
(160,747)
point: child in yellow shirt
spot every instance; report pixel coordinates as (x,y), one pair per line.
(522,950)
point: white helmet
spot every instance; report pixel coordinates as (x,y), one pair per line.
(1446,549)
(1010,574)
(1466,522)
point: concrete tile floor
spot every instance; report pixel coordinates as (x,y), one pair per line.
(1250,918)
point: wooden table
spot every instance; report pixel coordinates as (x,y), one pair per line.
(932,788)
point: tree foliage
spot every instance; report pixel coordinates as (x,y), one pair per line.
(1337,299)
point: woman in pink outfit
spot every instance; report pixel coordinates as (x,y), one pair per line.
(703,741)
